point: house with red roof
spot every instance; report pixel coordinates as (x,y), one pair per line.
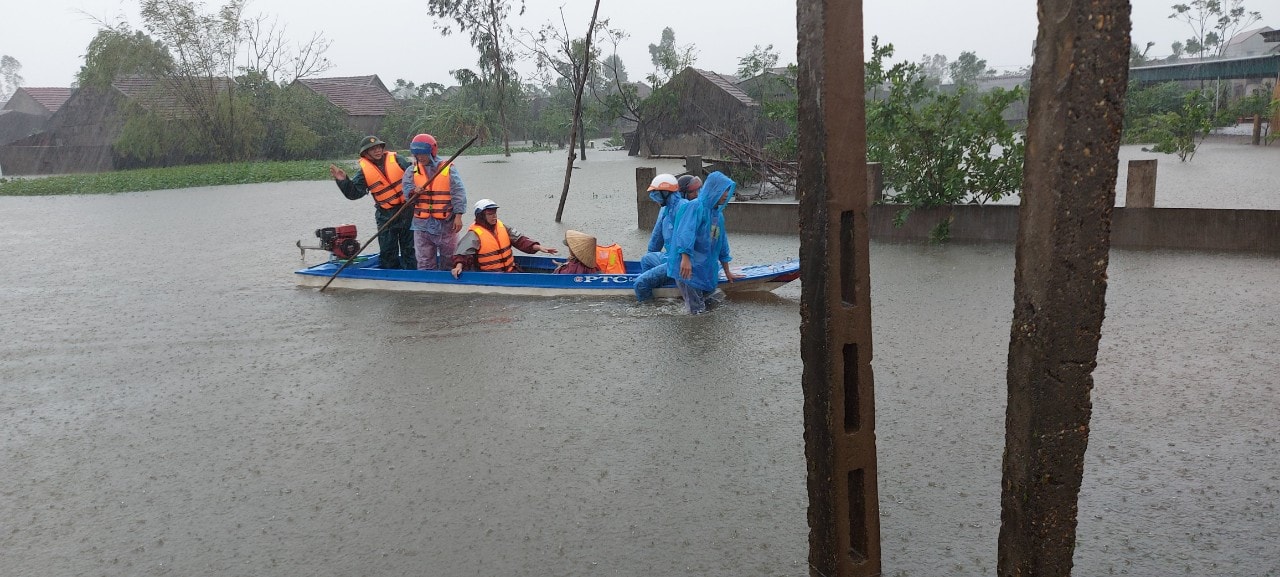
(28,110)
(365,99)
(79,135)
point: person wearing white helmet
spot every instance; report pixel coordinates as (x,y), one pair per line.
(669,192)
(487,245)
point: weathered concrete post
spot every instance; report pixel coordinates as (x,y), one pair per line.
(835,306)
(1140,184)
(646,210)
(875,183)
(1073,137)
(693,165)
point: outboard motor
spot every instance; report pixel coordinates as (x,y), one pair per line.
(339,240)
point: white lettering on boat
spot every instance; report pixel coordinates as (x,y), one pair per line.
(621,279)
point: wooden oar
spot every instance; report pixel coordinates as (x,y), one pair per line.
(412,199)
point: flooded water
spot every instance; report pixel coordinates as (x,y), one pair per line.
(173,405)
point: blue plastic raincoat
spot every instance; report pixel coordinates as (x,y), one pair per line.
(699,232)
(666,218)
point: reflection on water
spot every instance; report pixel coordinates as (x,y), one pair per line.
(172,404)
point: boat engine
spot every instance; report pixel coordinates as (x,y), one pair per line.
(339,240)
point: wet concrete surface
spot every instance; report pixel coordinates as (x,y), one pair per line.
(171,404)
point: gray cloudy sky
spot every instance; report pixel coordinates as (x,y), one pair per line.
(397,39)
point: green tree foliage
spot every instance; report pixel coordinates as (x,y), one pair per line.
(1138,56)
(1182,131)
(1212,24)
(10,79)
(119,50)
(669,58)
(939,148)
(1142,103)
(757,62)
(967,69)
(216,89)
(486,23)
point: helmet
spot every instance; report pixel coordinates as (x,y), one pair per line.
(665,183)
(423,144)
(369,142)
(483,204)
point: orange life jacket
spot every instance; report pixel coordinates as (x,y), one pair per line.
(436,201)
(384,186)
(495,250)
(609,259)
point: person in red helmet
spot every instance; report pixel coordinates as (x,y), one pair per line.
(441,200)
(380,176)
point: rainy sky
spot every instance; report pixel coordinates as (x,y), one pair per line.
(397,39)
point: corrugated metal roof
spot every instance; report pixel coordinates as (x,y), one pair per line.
(357,95)
(51,98)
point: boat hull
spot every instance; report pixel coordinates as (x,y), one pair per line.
(364,275)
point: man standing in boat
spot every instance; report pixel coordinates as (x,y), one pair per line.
(442,199)
(487,244)
(380,176)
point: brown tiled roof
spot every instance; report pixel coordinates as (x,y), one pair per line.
(728,85)
(51,98)
(357,95)
(162,96)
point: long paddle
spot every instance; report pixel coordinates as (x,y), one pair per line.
(412,199)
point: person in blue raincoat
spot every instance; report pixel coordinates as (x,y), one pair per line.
(699,248)
(669,193)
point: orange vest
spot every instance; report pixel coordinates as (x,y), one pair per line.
(609,259)
(435,201)
(384,186)
(495,253)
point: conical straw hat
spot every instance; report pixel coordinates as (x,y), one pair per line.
(582,246)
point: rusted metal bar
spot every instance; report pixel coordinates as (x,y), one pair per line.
(1073,137)
(835,306)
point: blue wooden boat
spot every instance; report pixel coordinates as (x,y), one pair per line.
(536,280)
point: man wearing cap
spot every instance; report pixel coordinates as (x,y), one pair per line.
(487,244)
(437,211)
(661,190)
(380,176)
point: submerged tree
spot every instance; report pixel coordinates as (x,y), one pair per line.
(579,56)
(940,148)
(491,35)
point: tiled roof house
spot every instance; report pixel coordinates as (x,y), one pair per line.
(365,99)
(28,111)
(79,136)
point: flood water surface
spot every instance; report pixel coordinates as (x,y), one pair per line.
(173,405)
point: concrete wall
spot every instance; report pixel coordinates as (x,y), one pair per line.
(1183,228)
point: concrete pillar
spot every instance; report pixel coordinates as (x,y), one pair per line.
(835,304)
(1064,225)
(646,209)
(875,183)
(693,165)
(1140,184)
